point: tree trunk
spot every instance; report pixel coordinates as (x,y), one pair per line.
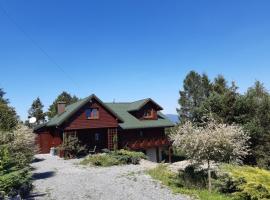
(209,176)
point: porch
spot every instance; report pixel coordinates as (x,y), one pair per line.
(101,138)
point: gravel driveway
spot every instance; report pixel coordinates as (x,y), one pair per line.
(55,178)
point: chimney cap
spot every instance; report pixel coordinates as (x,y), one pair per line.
(61,102)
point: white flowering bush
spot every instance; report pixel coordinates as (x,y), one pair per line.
(17,149)
(214,142)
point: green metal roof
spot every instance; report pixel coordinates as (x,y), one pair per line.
(120,110)
(136,105)
(131,122)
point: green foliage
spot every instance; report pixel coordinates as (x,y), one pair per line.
(193,177)
(36,111)
(128,157)
(72,147)
(222,101)
(64,96)
(16,182)
(120,157)
(16,153)
(104,160)
(196,89)
(176,184)
(8,116)
(244,182)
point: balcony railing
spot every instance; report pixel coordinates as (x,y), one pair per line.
(147,143)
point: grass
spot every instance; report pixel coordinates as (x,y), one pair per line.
(171,180)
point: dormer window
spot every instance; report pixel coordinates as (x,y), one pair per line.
(92,113)
(148,114)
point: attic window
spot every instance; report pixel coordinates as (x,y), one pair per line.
(148,113)
(92,113)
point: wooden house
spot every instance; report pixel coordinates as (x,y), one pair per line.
(138,125)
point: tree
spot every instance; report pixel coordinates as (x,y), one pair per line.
(253,113)
(8,116)
(2,99)
(36,111)
(196,89)
(221,104)
(214,142)
(64,96)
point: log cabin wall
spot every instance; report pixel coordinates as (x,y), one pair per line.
(125,136)
(47,138)
(80,121)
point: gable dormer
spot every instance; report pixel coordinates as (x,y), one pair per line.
(145,109)
(90,112)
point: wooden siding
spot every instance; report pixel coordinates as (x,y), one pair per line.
(128,136)
(47,138)
(80,121)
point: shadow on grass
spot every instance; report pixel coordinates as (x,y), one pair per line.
(43,175)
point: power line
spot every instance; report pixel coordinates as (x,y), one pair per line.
(36,44)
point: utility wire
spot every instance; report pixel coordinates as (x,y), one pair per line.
(5,12)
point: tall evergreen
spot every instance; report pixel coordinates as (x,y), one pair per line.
(36,111)
(64,96)
(196,89)
(8,116)
(225,104)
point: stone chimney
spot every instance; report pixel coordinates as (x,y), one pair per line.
(61,105)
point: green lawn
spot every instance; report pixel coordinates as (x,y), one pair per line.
(171,180)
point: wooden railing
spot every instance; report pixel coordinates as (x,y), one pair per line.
(147,143)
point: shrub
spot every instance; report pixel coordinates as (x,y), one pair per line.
(16,182)
(16,152)
(72,147)
(103,160)
(176,184)
(193,177)
(244,182)
(111,158)
(128,157)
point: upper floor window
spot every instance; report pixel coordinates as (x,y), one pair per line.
(148,113)
(92,113)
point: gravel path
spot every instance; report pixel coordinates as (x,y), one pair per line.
(60,179)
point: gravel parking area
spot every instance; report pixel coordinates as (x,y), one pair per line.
(55,178)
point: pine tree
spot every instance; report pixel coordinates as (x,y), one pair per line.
(8,116)
(196,89)
(64,96)
(36,111)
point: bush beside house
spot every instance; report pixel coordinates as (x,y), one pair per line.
(119,157)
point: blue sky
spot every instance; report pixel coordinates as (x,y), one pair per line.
(128,50)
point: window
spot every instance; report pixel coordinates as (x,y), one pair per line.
(148,113)
(141,133)
(92,113)
(97,136)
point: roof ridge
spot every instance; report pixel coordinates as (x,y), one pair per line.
(118,102)
(141,100)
